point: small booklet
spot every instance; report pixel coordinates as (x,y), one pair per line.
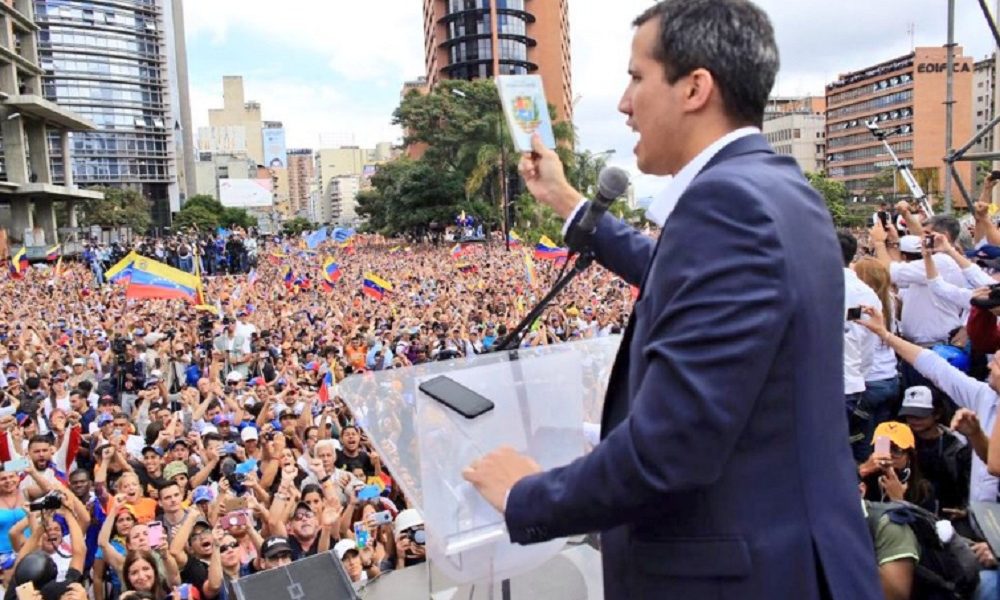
(523,99)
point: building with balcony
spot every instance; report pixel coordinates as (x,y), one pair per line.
(906,94)
(477,39)
(301,177)
(121,64)
(36,135)
(796,127)
(984,89)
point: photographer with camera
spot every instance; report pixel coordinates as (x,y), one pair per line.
(45,531)
(234,348)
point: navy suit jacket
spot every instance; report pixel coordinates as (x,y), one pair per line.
(724,470)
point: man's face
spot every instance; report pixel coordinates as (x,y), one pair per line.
(170,499)
(994,376)
(79,484)
(304,523)
(350,438)
(352,564)
(180,452)
(653,106)
(921,424)
(138,537)
(327,455)
(77,403)
(40,453)
(282,560)
(201,542)
(152,461)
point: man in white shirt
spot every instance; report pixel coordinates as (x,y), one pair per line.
(859,348)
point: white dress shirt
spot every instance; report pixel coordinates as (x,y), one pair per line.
(926,318)
(859,342)
(666,201)
(969,393)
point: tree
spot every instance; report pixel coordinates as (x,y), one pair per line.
(835,195)
(118,208)
(296,226)
(881,184)
(206,213)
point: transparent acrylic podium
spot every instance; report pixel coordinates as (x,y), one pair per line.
(542,397)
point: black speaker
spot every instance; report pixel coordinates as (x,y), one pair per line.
(313,578)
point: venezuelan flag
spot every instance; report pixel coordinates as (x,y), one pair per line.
(467,268)
(457,251)
(288,277)
(153,279)
(59,267)
(529,269)
(324,388)
(19,264)
(52,254)
(121,269)
(331,271)
(513,239)
(395,250)
(375,287)
(548,250)
(276,258)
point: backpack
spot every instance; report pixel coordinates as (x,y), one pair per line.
(945,571)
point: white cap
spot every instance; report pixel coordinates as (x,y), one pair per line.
(207,429)
(79,361)
(156,374)
(918,401)
(343,547)
(910,244)
(406,519)
(248,433)
(234,376)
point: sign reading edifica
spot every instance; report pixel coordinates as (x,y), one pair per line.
(943,68)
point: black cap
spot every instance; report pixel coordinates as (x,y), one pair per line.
(274,546)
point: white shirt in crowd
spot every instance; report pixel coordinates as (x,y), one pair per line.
(926,318)
(969,393)
(859,342)
(884,361)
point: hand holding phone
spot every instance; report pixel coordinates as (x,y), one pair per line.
(854,313)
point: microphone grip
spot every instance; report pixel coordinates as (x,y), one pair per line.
(581,232)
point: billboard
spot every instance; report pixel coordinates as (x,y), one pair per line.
(274,147)
(230,139)
(246,193)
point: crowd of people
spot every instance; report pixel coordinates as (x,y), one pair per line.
(153,449)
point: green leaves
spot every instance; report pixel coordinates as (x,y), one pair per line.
(119,208)
(206,213)
(835,195)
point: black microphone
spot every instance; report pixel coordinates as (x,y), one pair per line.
(612,184)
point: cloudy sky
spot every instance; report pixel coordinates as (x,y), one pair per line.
(332,70)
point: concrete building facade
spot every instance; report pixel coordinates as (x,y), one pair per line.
(476,39)
(343,200)
(35,132)
(800,134)
(984,88)
(236,127)
(301,177)
(908,93)
(122,65)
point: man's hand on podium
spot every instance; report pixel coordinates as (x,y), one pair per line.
(496,473)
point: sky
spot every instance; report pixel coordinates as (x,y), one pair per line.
(332,70)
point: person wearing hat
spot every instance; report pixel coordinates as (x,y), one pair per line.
(302,529)
(354,564)
(945,459)
(192,547)
(896,476)
(980,398)
(178,473)
(275,552)
(410,538)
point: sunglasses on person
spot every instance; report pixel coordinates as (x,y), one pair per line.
(228,547)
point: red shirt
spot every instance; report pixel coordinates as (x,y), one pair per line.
(983,331)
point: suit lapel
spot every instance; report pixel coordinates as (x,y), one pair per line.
(616,406)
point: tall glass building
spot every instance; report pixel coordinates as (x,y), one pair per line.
(120,64)
(477,39)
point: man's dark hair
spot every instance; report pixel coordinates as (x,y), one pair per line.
(39,438)
(848,246)
(79,472)
(731,39)
(85,386)
(162,484)
(947,225)
(32,383)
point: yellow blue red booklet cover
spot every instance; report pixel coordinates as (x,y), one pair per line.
(523,98)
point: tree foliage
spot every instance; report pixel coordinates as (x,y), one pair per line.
(206,213)
(119,208)
(835,195)
(296,226)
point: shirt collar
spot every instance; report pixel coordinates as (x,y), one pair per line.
(666,201)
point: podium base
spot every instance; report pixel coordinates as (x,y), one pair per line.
(573,574)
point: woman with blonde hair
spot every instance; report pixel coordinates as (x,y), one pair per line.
(881,394)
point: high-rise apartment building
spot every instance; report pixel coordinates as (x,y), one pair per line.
(301,178)
(122,65)
(33,130)
(476,39)
(984,89)
(906,93)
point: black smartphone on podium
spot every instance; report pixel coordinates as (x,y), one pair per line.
(456,396)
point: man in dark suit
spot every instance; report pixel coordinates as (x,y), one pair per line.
(724,469)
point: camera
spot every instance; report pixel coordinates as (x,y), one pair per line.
(50,501)
(995,176)
(119,345)
(929,241)
(417,536)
